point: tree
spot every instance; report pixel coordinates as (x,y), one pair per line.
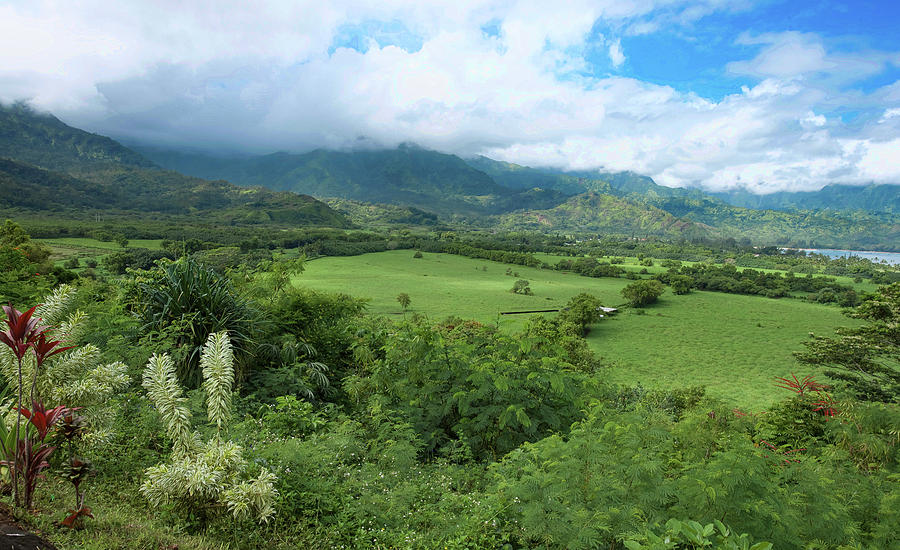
(642,293)
(404,300)
(582,310)
(681,284)
(865,357)
(122,240)
(521,286)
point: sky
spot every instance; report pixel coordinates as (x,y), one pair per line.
(762,95)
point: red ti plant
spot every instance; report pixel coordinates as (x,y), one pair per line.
(71,428)
(32,456)
(22,332)
(805,384)
(77,472)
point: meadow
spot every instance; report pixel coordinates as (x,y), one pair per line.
(735,345)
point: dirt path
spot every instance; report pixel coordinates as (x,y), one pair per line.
(13,537)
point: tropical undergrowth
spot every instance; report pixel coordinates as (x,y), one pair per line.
(373,433)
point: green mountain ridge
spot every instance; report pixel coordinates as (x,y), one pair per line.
(408,175)
(825,228)
(880,198)
(605,213)
(46,165)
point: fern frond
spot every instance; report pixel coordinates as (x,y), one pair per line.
(56,304)
(162,387)
(217,364)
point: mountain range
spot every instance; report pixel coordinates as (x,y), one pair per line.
(46,165)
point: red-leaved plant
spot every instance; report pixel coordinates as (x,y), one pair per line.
(801,386)
(826,405)
(77,472)
(25,332)
(32,456)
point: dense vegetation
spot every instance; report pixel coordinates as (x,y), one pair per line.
(197,377)
(343,429)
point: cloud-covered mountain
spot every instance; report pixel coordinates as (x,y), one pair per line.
(761,96)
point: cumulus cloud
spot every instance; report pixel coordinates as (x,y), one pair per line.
(295,76)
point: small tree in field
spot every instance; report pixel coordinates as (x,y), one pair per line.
(522,287)
(404,300)
(582,310)
(642,293)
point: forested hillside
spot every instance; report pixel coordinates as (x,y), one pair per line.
(47,166)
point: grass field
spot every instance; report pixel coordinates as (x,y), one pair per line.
(83,242)
(733,344)
(84,248)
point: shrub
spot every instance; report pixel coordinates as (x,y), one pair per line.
(203,477)
(190,301)
(521,287)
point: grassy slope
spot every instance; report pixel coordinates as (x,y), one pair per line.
(701,338)
(735,345)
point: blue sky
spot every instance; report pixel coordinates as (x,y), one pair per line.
(755,94)
(695,58)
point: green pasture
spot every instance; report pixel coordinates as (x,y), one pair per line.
(441,285)
(84,242)
(735,345)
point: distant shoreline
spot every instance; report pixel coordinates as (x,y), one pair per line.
(892,258)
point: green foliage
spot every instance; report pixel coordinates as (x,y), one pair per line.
(680,284)
(190,301)
(470,386)
(690,534)
(217,366)
(606,479)
(582,310)
(166,395)
(404,300)
(866,358)
(643,293)
(25,269)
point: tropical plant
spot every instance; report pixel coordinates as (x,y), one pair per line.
(60,375)
(190,301)
(203,477)
(32,451)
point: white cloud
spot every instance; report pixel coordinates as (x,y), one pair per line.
(615,54)
(264,77)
